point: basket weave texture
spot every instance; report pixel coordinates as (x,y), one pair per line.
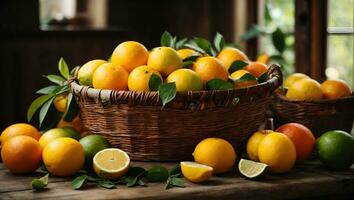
(136,123)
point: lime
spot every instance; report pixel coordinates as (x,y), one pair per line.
(93,144)
(252,169)
(336,149)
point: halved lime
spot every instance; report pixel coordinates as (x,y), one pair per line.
(251,169)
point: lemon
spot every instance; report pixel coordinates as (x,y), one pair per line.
(85,73)
(251,169)
(230,55)
(111,163)
(253,143)
(60,102)
(195,172)
(305,89)
(294,77)
(164,60)
(139,78)
(237,75)
(186,80)
(185,53)
(55,133)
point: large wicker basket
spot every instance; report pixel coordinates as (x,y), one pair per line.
(136,122)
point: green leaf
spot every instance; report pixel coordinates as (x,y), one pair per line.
(247,77)
(167,92)
(135,171)
(278,38)
(109,59)
(72,109)
(49,89)
(166,39)
(263,78)
(195,47)
(174,182)
(173,42)
(175,170)
(63,68)
(237,65)
(131,181)
(219,42)
(106,184)
(44,110)
(56,79)
(187,64)
(267,13)
(154,82)
(193,57)
(219,84)
(253,32)
(36,104)
(232,45)
(180,43)
(203,44)
(157,174)
(78,182)
(141,182)
(41,183)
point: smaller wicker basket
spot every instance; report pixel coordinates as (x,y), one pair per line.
(320,116)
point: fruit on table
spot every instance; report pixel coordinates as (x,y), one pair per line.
(305,89)
(229,55)
(216,153)
(185,53)
(336,149)
(139,78)
(185,80)
(334,89)
(240,84)
(302,137)
(130,54)
(294,77)
(164,60)
(256,68)
(91,145)
(63,157)
(55,133)
(196,172)
(111,163)
(209,68)
(86,71)
(110,76)
(253,143)
(278,152)
(251,169)
(21,154)
(19,129)
(60,102)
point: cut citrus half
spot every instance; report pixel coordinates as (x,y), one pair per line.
(111,163)
(252,169)
(196,172)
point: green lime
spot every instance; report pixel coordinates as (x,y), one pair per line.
(251,169)
(55,133)
(336,149)
(93,144)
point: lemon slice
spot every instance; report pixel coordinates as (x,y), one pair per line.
(251,169)
(111,163)
(196,172)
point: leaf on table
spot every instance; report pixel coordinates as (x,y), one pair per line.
(41,183)
(135,171)
(174,182)
(106,184)
(157,174)
(167,92)
(78,182)
(176,169)
(63,68)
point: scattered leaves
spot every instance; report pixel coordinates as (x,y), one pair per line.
(41,183)
(157,174)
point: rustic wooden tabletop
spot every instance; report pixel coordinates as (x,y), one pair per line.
(308,180)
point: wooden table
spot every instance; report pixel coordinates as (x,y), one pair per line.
(308,180)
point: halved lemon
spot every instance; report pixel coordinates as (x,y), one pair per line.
(196,172)
(251,169)
(111,163)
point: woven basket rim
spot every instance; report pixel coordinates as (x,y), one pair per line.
(320,101)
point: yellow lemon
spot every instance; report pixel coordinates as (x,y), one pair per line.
(253,143)
(240,84)
(230,55)
(195,172)
(164,60)
(294,77)
(139,78)
(305,89)
(55,133)
(186,80)
(60,102)
(85,73)
(185,53)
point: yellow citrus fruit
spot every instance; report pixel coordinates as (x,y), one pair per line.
(216,153)
(63,157)
(230,55)
(185,80)
(60,102)
(209,68)
(263,58)
(164,60)
(111,163)
(21,154)
(196,172)
(139,78)
(294,77)
(253,143)
(305,89)
(75,124)
(85,73)
(110,76)
(185,53)
(19,129)
(55,133)
(240,84)
(334,89)
(277,151)
(129,55)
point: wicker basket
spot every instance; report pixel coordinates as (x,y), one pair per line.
(136,123)
(320,116)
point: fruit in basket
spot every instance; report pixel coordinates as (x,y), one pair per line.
(60,102)
(239,82)
(185,80)
(263,58)
(21,154)
(302,137)
(336,149)
(196,172)
(185,53)
(19,129)
(111,163)
(75,124)
(256,68)
(55,133)
(278,152)
(91,145)
(294,77)
(139,78)
(63,157)
(110,76)
(305,89)
(251,169)
(130,54)
(164,60)
(216,153)
(229,55)
(209,68)
(86,71)
(335,89)
(253,143)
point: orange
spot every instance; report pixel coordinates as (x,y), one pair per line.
(21,154)
(75,124)
(240,84)
(185,80)
(60,102)
(293,78)
(19,129)
(164,60)
(253,143)
(185,53)
(129,55)
(263,58)
(110,76)
(302,138)
(85,73)
(305,89)
(230,55)
(139,78)
(256,68)
(335,89)
(209,68)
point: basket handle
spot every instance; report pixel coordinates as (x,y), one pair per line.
(275,77)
